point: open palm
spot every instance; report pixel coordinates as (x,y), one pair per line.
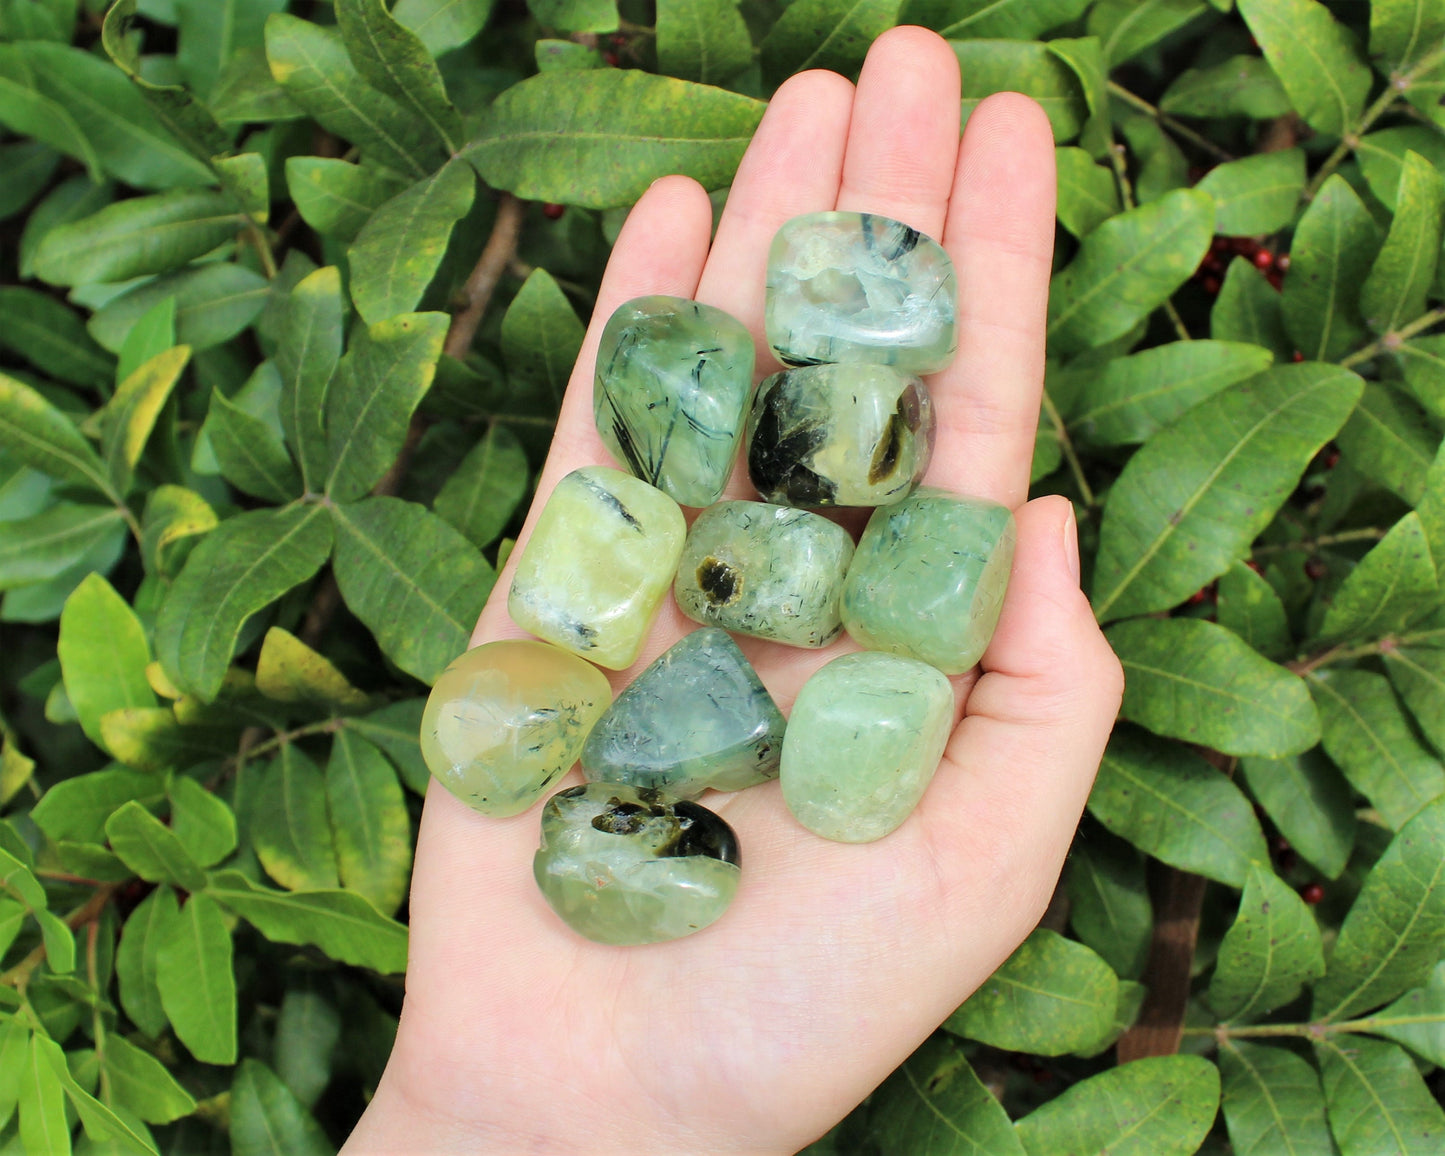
(835,960)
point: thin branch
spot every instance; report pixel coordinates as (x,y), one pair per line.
(1178,128)
(1160,1025)
(1066,444)
(1368,534)
(1121,174)
(499,250)
(1390,342)
(1177,321)
(89,911)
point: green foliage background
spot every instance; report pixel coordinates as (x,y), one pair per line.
(284,325)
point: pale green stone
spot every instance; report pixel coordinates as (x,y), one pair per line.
(508,719)
(929,577)
(672,386)
(764,570)
(597,565)
(625,866)
(863,288)
(839,435)
(863,742)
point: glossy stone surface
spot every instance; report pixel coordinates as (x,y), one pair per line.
(839,435)
(864,740)
(697,718)
(764,570)
(508,719)
(672,387)
(929,577)
(624,866)
(597,565)
(862,288)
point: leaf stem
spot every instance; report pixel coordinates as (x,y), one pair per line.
(498,252)
(19,975)
(327,726)
(1392,341)
(1066,444)
(1177,321)
(1178,128)
(1314,1030)
(1121,174)
(1367,534)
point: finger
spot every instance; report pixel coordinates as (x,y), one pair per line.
(903,136)
(999,233)
(1019,767)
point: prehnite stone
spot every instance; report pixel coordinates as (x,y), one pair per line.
(863,742)
(597,565)
(764,570)
(507,719)
(929,577)
(625,866)
(839,435)
(697,718)
(862,288)
(672,386)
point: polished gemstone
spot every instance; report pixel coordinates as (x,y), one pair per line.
(929,577)
(598,564)
(508,719)
(672,386)
(839,435)
(863,742)
(862,288)
(697,718)
(625,866)
(764,570)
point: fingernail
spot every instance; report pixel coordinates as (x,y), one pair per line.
(1071,543)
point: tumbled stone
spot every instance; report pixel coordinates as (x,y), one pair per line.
(862,288)
(625,866)
(698,718)
(865,736)
(929,577)
(672,386)
(764,570)
(839,435)
(506,720)
(597,565)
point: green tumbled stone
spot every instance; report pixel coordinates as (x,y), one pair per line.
(506,720)
(863,742)
(697,718)
(839,435)
(673,379)
(624,866)
(597,565)
(929,577)
(764,570)
(862,288)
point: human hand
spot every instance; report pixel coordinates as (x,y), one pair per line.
(835,961)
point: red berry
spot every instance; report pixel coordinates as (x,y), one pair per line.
(1311,893)
(1263,260)
(1331,456)
(1219,245)
(1211,285)
(1255,566)
(1196,598)
(1296,356)
(1315,569)
(611,59)
(552,211)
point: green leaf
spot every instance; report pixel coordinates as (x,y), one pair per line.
(992,19)
(103,1125)
(310,349)
(1127,268)
(443,25)
(43,1126)
(1390,440)
(198,986)
(130,416)
(1311,804)
(1318,61)
(1085,58)
(1416,1019)
(1160,1106)
(624,128)
(1195,680)
(1193,499)
(213,31)
(1173,805)
(152,739)
(336,198)
(45,20)
(151,849)
(1368,735)
(415,582)
(1402,31)
(308,1029)
(1423,360)
(239,568)
(266,1118)
(290,671)
(1257,194)
(76,809)
(289,828)
(135,960)
(1418,675)
(311,63)
(342,924)
(575,15)
(379,382)
(1394,292)
(1050,997)
(62,536)
(1272,1102)
(173,517)
(1334,246)
(1248,309)
(69,201)
(38,434)
(1249,606)
(1239,86)
(252,458)
(1109,908)
(1376,1098)
(1271,950)
(1026,66)
(702,40)
(246,177)
(1391,585)
(1381,156)
(1392,936)
(216,301)
(20,881)
(1088,194)
(141,1083)
(832,34)
(934,1105)
(541,336)
(202,822)
(1125,28)
(14,1058)
(398,252)
(51,337)
(149,335)
(369,824)
(59,941)
(480,498)
(103,654)
(395,729)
